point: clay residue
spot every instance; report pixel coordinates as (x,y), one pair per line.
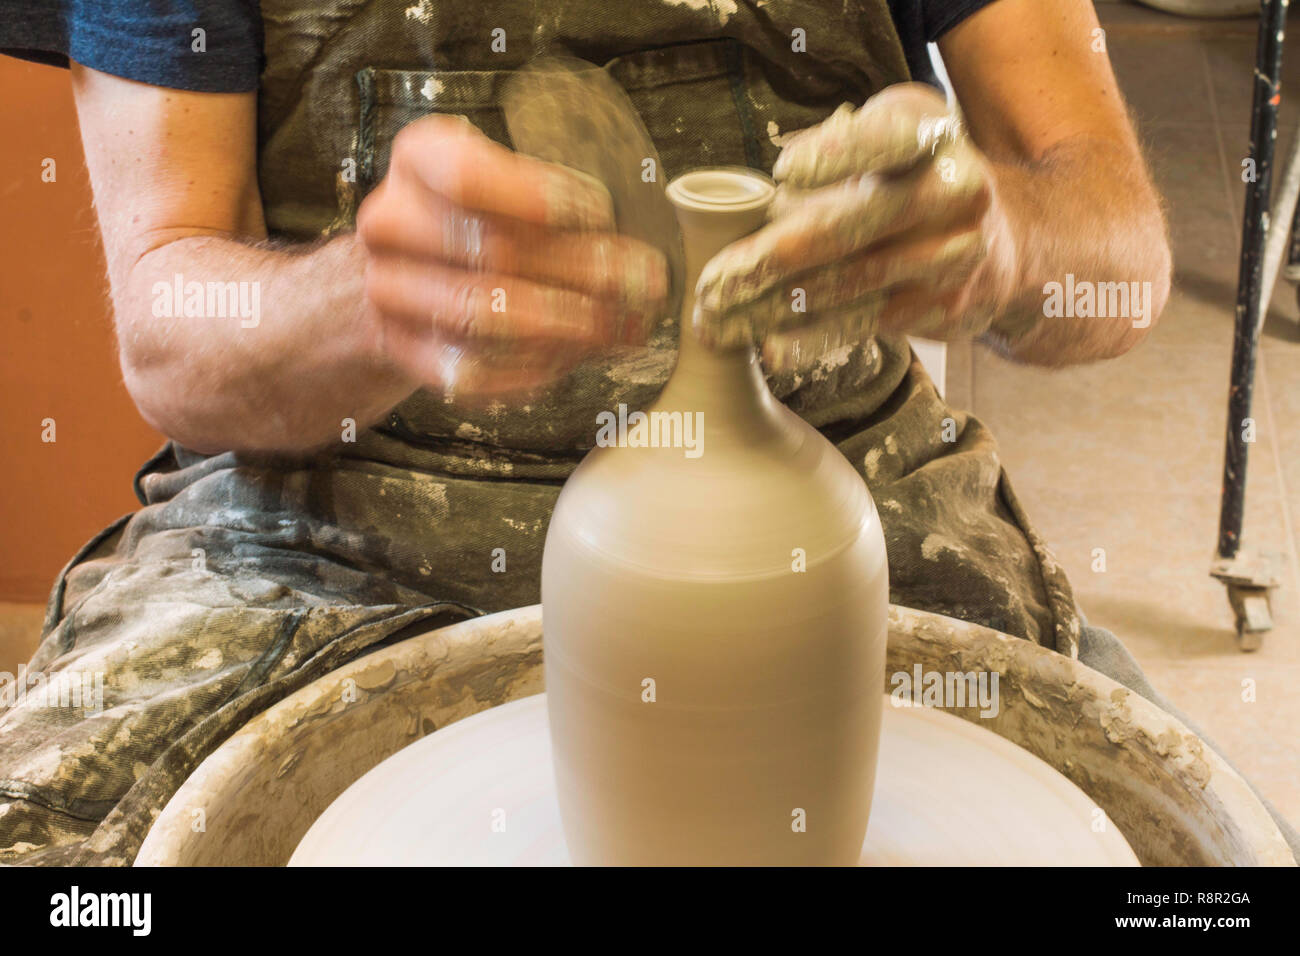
(775,136)
(422,11)
(723,10)
(535,526)
(1174,799)
(871,462)
(380,675)
(935,544)
(431,89)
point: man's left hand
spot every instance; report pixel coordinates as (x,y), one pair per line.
(885,219)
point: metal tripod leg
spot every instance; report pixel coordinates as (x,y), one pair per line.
(1247,577)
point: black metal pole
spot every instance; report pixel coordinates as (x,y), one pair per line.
(1254,232)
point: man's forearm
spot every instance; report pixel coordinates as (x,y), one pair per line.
(1082,219)
(278,373)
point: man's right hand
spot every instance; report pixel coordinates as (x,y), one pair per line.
(488,271)
(349,328)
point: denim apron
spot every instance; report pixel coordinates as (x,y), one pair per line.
(243,577)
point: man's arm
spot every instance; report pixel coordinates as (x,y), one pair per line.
(175,182)
(349,327)
(1041,102)
(896,217)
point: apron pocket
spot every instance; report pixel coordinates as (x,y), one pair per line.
(392,98)
(701,103)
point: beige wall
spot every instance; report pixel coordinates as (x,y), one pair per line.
(57,357)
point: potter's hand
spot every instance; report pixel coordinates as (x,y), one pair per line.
(488,271)
(884,220)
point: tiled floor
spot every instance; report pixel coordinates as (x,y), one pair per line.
(1126,455)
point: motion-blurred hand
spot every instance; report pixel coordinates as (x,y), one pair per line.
(885,220)
(488,271)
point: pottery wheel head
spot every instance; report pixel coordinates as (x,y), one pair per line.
(565,110)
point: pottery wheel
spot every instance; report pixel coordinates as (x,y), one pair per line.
(480,792)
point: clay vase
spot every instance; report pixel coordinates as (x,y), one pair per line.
(714,612)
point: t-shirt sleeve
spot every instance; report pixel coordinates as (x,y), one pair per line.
(208,46)
(919,22)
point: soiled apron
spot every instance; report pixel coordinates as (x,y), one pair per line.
(244,577)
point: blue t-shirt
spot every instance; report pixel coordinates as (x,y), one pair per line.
(156,42)
(152,42)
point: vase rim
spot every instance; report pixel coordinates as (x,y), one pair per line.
(733,188)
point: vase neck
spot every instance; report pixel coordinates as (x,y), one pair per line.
(726,385)
(715,207)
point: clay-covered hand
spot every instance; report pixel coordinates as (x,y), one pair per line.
(488,271)
(885,219)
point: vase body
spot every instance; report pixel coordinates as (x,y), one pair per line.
(715,596)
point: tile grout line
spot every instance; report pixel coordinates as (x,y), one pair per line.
(1288,525)
(1217,120)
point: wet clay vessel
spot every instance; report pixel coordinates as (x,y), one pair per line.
(716,597)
